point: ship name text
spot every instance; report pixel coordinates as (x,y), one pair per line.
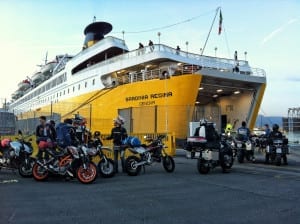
(148,96)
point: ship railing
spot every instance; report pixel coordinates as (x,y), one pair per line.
(221,64)
(148,75)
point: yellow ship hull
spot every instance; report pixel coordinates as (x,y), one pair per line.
(156,106)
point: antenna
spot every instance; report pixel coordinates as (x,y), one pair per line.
(219,8)
(46,58)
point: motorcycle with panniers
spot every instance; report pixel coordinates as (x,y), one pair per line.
(276,150)
(210,149)
(17,155)
(147,154)
(243,148)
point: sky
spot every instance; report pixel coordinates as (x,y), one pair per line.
(268,30)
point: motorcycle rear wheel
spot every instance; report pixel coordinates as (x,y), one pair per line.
(130,166)
(88,175)
(201,167)
(39,173)
(106,169)
(240,157)
(168,164)
(278,160)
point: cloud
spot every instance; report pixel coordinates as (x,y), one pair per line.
(277,31)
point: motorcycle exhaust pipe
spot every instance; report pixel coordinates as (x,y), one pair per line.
(140,163)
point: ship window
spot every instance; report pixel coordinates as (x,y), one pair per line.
(56,94)
(78,86)
(73,88)
(85,84)
(93,81)
(64,92)
(68,90)
(59,93)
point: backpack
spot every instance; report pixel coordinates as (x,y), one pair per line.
(132,141)
(63,135)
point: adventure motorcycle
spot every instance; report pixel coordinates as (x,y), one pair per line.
(244,149)
(148,154)
(211,154)
(17,155)
(277,150)
(95,148)
(69,162)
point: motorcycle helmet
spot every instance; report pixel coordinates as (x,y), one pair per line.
(97,134)
(43,145)
(5,142)
(275,127)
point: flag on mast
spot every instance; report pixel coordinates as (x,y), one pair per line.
(220,22)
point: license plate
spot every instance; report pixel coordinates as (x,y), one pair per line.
(278,150)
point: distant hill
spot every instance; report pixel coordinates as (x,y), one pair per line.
(261,120)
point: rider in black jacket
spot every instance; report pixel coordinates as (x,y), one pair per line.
(275,134)
(118,134)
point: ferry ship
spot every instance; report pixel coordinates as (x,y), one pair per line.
(157,88)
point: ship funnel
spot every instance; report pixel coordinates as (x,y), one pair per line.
(95,32)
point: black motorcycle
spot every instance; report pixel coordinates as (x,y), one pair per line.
(95,148)
(17,155)
(244,149)
(148,154)
(210,154)
(276,150)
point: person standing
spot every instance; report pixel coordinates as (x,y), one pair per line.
(118,134)
(244,131)
(235,56)
(151,45)
(45,137)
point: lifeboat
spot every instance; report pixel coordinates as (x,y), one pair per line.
(24,85)
(48,68)
(38,78)
(17,94)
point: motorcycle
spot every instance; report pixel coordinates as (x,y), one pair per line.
(69,162)
(95,148)
(211,154)
(244,149)
(17,155)
(148,154)
(277,150)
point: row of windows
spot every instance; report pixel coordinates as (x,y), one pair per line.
(64,92)
(39,90)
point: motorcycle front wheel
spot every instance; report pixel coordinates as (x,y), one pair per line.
(168,164)
(88,175)
(25,170)
(130,165)
(106,168)
(201,166)
(39,173)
